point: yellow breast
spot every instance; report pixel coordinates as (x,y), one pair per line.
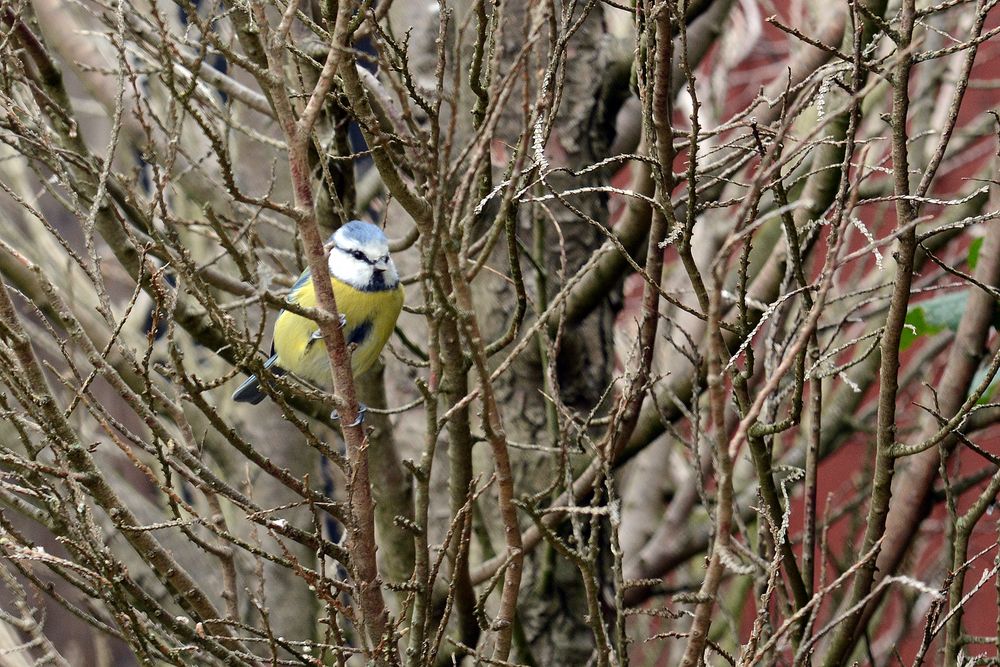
(370,317)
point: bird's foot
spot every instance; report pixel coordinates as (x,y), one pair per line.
(362,409)
(318,334)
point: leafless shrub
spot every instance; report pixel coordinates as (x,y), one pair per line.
(713,293)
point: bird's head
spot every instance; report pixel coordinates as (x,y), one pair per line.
(360,257)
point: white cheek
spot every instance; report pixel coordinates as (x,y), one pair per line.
(349,270)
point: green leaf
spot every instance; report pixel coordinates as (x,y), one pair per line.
(990,388)
(933,315)
(974,248)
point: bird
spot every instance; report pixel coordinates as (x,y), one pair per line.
(369,298)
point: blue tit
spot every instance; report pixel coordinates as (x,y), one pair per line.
(369,298)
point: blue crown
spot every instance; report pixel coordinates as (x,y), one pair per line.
(364,233)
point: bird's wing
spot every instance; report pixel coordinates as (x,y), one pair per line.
(355,318)
(293,293)
(293,297)
(249,391)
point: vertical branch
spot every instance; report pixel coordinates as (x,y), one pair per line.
(659,92)
(723,523)
(495,435)
(661,108)
(393,493)
(418,642)
(455,385)
(960,566)
(916,482)
(885,433)
(811,478)
(361,527)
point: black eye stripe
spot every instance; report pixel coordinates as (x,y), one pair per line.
(357,254)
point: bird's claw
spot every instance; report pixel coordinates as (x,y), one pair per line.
(318,334)
(362,409)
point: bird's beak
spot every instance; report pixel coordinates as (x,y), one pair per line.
(381,265)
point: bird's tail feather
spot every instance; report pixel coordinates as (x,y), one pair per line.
(249,391)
